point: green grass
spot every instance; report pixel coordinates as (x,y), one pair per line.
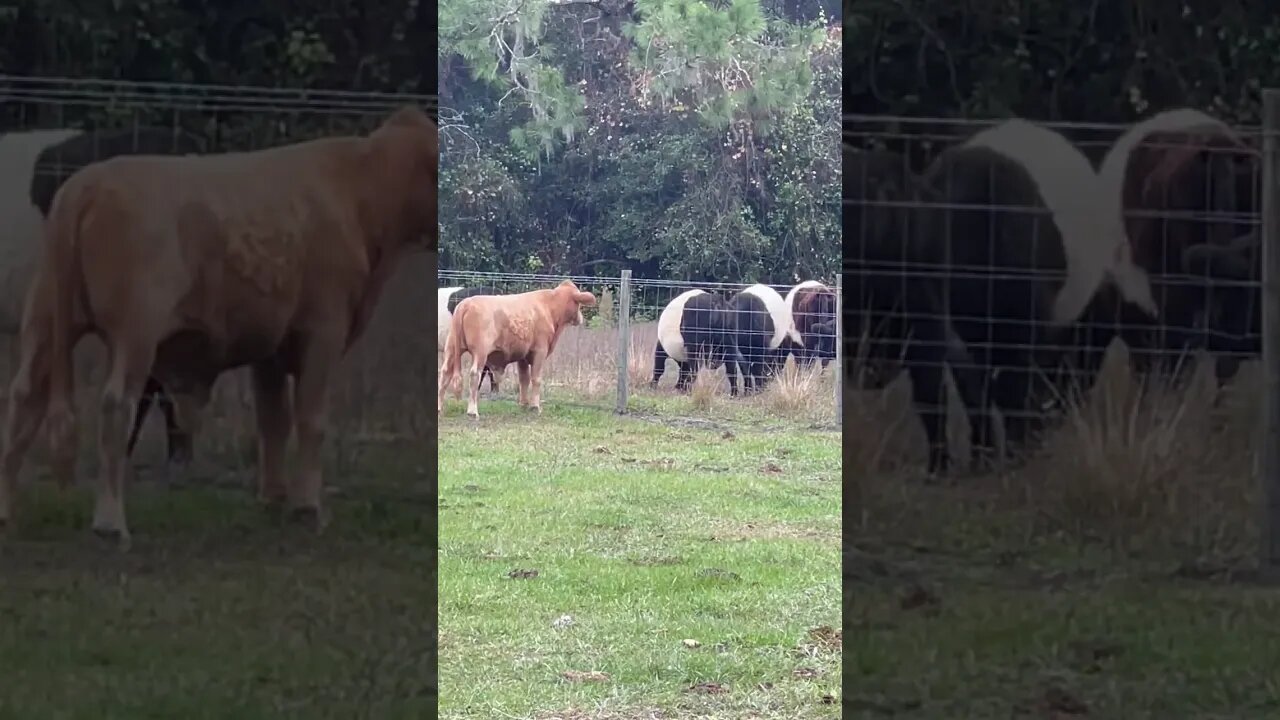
(217,612)
(646,531)
(976,616)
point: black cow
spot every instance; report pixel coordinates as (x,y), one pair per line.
(697,329)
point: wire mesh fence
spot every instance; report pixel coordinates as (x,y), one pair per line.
(1035,268)
(387,383)
(647,338)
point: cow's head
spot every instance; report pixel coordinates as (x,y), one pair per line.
(406,147)
(1228,306)
(821,339)
(570,301)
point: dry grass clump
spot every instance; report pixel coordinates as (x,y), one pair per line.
(1129,464)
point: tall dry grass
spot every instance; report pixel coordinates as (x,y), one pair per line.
(1129,464)
(584,369)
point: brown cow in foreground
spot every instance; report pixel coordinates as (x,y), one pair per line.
(505,329)
(273,259)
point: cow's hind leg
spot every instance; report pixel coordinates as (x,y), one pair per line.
(686,376)
(275,420)
(28,403)
(477,377)
(131,360)
(659,364)
(140,415)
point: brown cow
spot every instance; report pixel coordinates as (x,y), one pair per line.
(505,329)
(273,259)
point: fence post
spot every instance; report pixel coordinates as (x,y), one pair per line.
(1271,330)
(839,363)
(624,339)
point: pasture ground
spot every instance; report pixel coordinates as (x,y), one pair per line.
(216,611)
(580,549)
(1112,576)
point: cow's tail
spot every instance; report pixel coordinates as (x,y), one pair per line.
(450,368)
(62,266)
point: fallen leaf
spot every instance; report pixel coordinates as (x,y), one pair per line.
(585,676)
(707,688)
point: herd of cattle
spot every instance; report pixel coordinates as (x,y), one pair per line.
(750,333)
(1155,242)
(187,265)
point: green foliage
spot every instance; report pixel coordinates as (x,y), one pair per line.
(704,142)
(1056,60)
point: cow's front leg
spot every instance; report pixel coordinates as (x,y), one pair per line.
(311,394)
(275,419)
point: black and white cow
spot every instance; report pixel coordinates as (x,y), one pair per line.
(1182,189)
(1032,244)
(446,300)
(812,307)
(33,165)
(697,329)
(984,277)
(762,325)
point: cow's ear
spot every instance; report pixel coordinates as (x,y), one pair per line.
(586,298)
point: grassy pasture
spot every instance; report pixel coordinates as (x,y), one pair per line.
(1111,576)
(680,561)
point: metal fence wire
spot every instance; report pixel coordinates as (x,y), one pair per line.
(1010,260)
(215,119)
(611,358)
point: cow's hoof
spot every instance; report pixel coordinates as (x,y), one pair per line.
(310,518)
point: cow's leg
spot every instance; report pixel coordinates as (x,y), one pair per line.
(495,378)
(659,363)
(463,377)
(311,396)
(181,444)
(28,403)
(132,356)
(735,364)
(275,420)
(522,368)
(140,415)
(477,377)
(537,362)
(926,361)
(686,376)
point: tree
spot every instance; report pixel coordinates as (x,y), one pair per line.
(680,138)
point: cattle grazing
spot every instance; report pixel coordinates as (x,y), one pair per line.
(1030,247)
(812,307)
(447,300)
(33,165)
(1180,189)
(186,267)
(762,326)
(504,329)
(697,329)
